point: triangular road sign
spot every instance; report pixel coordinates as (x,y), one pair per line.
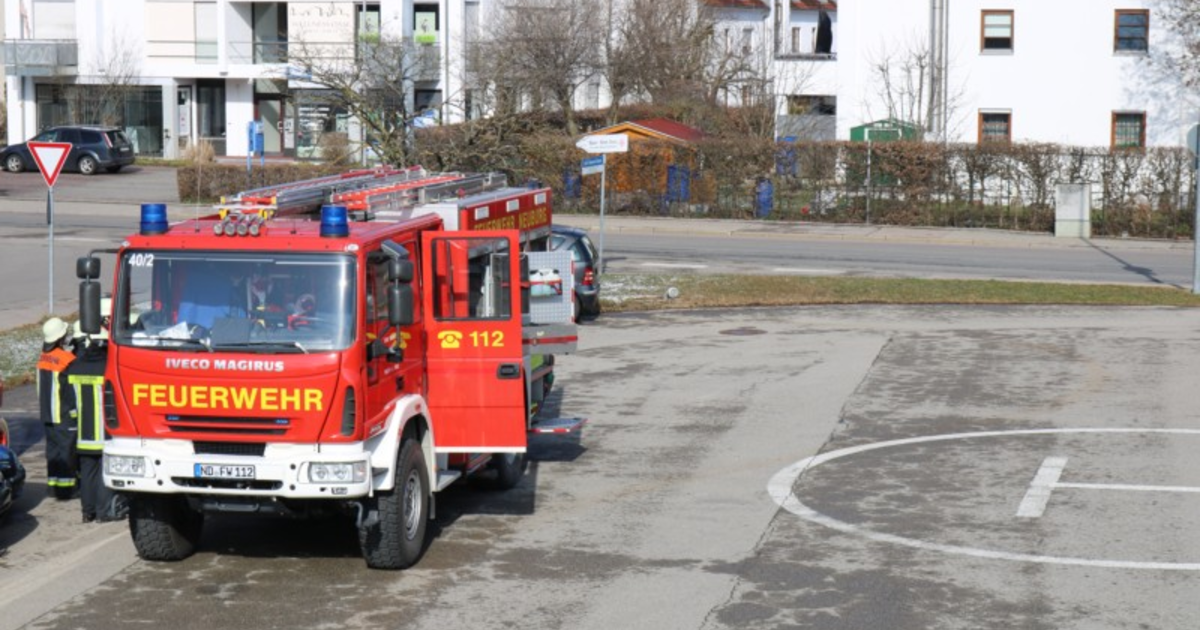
(50,157)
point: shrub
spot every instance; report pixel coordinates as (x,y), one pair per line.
(200,151)
(335,148)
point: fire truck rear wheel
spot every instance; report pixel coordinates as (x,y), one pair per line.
(510,467)
(396,539)
(164,527)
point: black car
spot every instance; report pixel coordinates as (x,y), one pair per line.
(584,259)
(92,148)
(12,474)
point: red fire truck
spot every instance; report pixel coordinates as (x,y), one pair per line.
(353,343)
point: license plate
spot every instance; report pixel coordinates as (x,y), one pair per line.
(223,471)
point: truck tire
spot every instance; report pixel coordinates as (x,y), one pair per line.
(396,538)
(164,527)
(510,467)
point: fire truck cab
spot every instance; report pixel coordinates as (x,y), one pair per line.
(270,358)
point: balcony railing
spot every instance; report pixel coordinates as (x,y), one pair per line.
(424,63)
(808,56)
(41,57)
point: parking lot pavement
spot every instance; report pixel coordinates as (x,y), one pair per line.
(133,185)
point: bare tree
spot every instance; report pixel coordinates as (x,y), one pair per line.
(1182,56)
(904,86)
(371,81)
(543,50)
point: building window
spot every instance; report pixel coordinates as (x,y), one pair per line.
(747,40)
(997,30)
(206,32)
(1132,31)
(1129,130)
(995,127)
(811,105)
(795,40)
(426,24)
(369,23)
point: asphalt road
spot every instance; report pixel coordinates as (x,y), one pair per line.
(689,501)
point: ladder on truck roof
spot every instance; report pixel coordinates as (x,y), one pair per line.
(381,200)
(308,195)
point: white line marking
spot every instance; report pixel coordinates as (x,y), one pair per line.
(84,239)
(807,271)
(674,265)
(1126,486)
(1038,495)
(781,484)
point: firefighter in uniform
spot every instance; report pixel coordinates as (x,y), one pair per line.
(56,401)
(85,375)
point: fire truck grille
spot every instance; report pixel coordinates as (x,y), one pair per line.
(227,484)
(228,426)
(229,448)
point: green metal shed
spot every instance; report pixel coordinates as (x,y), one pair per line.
(884,130)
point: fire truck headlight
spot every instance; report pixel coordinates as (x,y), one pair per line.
(325,472)
(122,466)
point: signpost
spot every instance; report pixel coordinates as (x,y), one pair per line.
(1193,142)
(50,157)
(602,144)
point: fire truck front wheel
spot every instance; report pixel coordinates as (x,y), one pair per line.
(164,527)
(395,538)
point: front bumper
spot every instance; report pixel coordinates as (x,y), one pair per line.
(282,471)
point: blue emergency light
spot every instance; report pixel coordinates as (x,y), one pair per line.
(335,221)
(154,218)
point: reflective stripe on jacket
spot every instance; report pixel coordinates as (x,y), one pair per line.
(89,400)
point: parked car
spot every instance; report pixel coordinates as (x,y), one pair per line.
(12,474)
(584,259)
(92,148)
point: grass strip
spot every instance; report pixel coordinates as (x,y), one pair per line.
(627,292)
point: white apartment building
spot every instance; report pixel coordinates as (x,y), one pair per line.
(204,69)
(1076,72)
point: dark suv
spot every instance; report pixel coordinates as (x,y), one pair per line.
(92,148)
(583,258)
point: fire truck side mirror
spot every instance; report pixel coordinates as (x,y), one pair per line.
(400,305)
(87,267)
(89,307)
(400,270)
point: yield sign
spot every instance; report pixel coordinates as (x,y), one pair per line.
(50,157)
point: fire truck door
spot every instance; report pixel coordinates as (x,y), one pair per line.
(475,385)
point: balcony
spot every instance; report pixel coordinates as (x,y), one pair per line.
(40,57)
(426,62)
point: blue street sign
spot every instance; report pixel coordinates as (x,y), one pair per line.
(592,165)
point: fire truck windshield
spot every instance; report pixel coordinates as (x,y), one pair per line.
(235,301)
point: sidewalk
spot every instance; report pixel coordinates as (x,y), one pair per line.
(854,232)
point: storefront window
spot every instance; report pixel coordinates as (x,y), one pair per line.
(318,123)
(138,110)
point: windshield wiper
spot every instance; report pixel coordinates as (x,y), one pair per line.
(262,344)
(161,342)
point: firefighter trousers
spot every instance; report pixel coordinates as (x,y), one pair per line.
(96,500)
(62,464)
